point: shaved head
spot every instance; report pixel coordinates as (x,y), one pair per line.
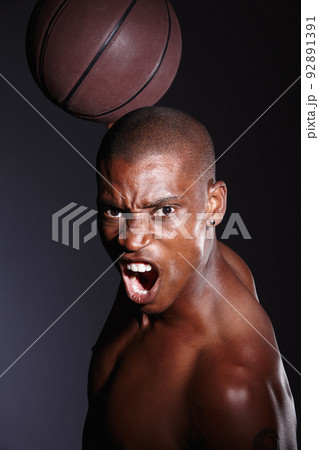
(163,131)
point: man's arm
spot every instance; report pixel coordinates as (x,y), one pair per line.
(240,408)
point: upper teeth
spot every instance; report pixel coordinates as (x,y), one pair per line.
(139,267)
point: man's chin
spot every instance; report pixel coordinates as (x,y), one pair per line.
(153,309)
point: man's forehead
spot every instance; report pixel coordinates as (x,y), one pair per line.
(151,168)
(147,181)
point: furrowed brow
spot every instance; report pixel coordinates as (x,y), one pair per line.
(102,202)
(163,201)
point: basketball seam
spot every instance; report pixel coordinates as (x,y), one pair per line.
(143,87)
(43,48)
(99,53)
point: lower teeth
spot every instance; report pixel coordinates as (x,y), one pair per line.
(141,283)
(139,291)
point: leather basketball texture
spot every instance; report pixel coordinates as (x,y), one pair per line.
(100,59)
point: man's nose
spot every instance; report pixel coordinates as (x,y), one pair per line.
(135,234)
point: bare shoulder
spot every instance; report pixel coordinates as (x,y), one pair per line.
(239,267)
(240,397)
(239,394)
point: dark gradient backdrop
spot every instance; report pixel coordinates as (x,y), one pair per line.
(238,58)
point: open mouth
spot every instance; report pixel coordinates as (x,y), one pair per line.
(141,281)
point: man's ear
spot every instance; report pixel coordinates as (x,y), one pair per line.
(216,202)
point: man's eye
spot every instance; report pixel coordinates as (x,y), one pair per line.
(113,212)
(165,211)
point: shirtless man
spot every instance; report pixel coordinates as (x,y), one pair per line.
(187,358)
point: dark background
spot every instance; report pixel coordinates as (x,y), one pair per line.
(238,57)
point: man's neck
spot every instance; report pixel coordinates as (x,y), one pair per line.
(195,305)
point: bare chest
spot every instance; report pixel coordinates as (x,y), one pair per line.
(144,404)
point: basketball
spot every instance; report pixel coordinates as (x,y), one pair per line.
(100,59)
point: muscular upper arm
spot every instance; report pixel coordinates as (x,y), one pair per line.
(235,408)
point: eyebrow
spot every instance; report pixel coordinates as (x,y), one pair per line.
(153,204)
(162,201)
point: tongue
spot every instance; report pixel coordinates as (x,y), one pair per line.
(147,279)
(141,281)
